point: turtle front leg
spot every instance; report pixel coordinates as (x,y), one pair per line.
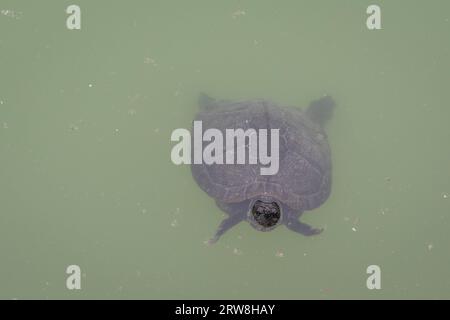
(303,228)
(224,226)
(292,223)
(236,213)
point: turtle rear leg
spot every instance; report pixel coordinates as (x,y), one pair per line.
(321,110)
(204,101)
(236,213)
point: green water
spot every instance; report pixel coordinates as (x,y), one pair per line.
(85,171)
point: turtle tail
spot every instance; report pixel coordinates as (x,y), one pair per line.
(321,110)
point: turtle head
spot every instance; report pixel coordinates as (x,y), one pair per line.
(264,214)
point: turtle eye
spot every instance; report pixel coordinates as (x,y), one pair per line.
(274,208)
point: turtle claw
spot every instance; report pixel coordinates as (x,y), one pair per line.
(211,241)
(316,231)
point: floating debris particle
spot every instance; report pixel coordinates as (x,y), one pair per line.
(444,195)
(238,13)
(149,60)
(174,223)
(353,229)
(144,211)
(237,251)
(11,13)
(132,112)
(279,254)
(90,85)
(430,246)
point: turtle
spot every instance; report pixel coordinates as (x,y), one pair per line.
(303,181)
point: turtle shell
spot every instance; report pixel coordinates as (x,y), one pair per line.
(303,181)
